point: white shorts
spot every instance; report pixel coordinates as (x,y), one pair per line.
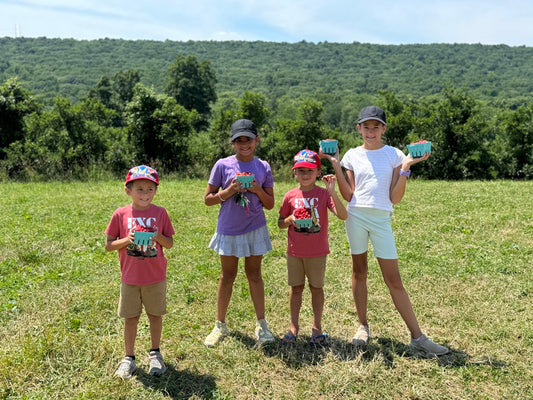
(374,224)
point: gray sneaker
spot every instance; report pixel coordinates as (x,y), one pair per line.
(262,333)
(428,346)
(157,366)
(219,332)
(126,368)
(361,336)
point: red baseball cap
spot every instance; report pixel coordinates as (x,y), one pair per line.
(306,159)
(142,172)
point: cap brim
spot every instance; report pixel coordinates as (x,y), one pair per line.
(245,133)
(371,119)
(305,164)
(142,177)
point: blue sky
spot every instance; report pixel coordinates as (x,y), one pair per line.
(380,22)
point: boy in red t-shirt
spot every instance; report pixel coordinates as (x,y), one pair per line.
(308,245)
(139,232)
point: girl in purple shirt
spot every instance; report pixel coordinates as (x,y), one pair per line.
(241,227)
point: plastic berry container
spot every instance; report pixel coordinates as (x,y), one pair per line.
(304,222)
(246,180)
(418,149)
(143,238)
(328,146)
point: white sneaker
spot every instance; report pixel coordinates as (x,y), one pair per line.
(361,336)
(126,368)
(262,333)
(157,366)
(428,346)
(219,332)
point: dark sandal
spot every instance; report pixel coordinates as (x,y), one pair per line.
(289,338)
(318,340)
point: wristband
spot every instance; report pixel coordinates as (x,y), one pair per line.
(406,174)
(220,197)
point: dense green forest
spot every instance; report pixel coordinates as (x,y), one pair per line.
(69,108)
(70,68)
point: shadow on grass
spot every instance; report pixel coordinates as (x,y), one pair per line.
(454,359)
(294,355)
(301,353)
(180,384)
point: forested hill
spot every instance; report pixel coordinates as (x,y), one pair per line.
(499,74)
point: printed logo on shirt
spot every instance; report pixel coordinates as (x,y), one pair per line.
(142,222)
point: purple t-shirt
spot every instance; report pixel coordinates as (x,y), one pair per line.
(233,219)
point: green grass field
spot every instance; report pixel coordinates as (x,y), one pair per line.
(465,249)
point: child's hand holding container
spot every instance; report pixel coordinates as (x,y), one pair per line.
(328,146)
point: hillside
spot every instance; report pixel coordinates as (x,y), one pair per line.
(500,74)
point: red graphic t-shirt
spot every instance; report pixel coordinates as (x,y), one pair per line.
(313,243)
(140,265)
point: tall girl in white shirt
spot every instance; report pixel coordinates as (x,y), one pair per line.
(375,179)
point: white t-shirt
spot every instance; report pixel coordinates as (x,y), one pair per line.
(373,175)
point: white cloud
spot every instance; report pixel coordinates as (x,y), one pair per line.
(388,21)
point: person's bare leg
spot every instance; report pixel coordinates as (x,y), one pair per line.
(229,267)
(359,286)
(295,304)
(130,334)
(252,267)
(317,301)
(391,275)
(156,327)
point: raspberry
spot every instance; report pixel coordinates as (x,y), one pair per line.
(302,213)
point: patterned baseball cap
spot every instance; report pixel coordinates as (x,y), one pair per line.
(142,172)
(306,159)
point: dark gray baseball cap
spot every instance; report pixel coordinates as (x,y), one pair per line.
(372,112)
(243,127)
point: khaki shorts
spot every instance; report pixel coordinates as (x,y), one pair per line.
(133,297)
(299,267)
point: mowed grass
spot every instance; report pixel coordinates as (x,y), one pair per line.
(465,253)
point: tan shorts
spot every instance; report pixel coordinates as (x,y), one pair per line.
(133,297)
(299,267)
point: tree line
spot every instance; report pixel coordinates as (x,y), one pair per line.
(498,74)
(184,128)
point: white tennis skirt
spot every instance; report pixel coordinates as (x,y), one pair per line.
(254,243)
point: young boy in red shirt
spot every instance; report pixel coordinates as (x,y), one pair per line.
(308,246)
(139,231)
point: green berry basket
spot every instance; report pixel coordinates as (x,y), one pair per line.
(143,238)
(304,222)
(328,146)
(419,149)
(246,180)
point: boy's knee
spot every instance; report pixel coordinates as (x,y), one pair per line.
(132,320)
(154,318)
(315,289)
(297,289)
